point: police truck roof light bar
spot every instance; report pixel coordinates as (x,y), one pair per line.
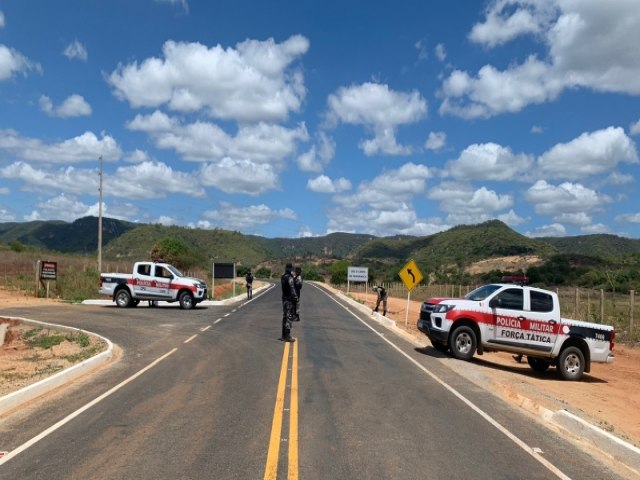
(521,280)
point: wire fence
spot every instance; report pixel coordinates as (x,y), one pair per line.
(591,305)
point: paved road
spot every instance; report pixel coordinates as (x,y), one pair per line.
(213,393)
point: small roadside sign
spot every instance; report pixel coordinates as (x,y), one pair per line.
(358,274)
(411,275)
(48,270)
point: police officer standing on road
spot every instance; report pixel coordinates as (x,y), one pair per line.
(289,300)
(297,283)
(249,279)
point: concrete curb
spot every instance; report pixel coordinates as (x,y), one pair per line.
(618,449)
(19,397)
(610,445)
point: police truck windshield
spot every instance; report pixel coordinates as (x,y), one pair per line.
(481,293)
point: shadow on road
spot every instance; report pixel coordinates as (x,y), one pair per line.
(518,368)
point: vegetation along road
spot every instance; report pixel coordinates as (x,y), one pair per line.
(213,393)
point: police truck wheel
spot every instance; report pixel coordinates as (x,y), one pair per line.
(571,363)
(538,364)
(463,343)
(186,301)
(123,298)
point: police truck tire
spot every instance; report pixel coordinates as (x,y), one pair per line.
(123,298)
(186,301)
(571,363)
(463,343)
(538,364)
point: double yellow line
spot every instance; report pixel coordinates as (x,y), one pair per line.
(271,469)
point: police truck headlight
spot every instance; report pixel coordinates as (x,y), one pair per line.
(442,308)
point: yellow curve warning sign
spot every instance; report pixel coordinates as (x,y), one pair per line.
(411,275)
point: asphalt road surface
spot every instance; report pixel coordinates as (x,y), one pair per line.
(213,393)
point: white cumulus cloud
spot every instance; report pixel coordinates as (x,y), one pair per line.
(586,45)
(249,83)
(72,106)
(323,184)
(490,161)
(592,153)
(380,110)
(233,217)
(76,50)
(13,62)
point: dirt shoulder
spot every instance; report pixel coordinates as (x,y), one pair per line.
(607,397)
(31,352)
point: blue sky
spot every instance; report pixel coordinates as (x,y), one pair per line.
(300,118)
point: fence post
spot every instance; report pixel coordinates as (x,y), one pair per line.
(632,294)
(575,310)
(601,305)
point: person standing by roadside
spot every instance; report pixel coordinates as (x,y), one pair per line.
(382,298)
(297,283)
(289,300)
(249,279)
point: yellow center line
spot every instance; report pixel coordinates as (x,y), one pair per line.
(271,469)
(190,338)
(293,417)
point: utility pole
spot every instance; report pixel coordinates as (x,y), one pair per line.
(100,220)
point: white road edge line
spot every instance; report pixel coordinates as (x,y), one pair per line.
(555,470)
(73,415)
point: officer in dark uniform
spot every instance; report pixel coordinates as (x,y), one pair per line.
(249,279)
(382,298)
(297,283)
(289,300)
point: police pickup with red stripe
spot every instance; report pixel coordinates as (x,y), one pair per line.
(518,319)
(153,282)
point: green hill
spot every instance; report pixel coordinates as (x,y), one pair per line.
(599,245)
(79,237)
(444,256)
(460,245)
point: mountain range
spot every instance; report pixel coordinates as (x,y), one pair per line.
(459,246)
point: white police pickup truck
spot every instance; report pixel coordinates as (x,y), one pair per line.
(153,282)
(518,319)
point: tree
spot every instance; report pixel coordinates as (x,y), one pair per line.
(339,272)
(172,251)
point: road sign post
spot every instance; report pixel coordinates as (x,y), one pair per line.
(411,276)
(358,274)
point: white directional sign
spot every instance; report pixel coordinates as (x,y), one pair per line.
(358,274)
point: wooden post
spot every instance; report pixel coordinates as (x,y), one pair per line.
(37,279)
(631,301)
(575,310)
(601,305)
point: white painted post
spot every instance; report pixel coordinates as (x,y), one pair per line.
(406,316)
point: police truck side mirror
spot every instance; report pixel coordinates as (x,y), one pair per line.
(495,303)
